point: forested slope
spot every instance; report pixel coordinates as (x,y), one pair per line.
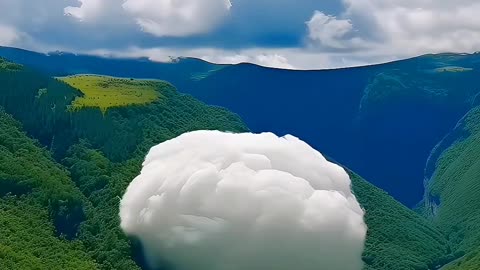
(40,207)
(397,237)
(82,209)
(454,191)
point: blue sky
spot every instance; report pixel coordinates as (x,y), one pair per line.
(300,34)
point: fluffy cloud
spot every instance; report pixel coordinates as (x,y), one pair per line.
(8,35)
(178,17)
(328,30)
(400,28)
(209,200)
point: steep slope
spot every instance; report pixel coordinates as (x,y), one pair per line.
(454,188)
(397,237)
(38,201)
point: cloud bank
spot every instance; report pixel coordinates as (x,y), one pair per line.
(209,200)
(177,18)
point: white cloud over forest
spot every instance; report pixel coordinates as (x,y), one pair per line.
(209,200)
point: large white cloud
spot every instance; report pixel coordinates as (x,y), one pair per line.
(209,200)
(177,17)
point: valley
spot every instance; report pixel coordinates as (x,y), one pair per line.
(90,133)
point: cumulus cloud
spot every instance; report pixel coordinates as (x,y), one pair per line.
(179,17)
(329,31)
(209,200)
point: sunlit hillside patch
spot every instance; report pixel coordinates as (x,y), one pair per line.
(9,66)
(106,92)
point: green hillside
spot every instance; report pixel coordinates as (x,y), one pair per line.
(95,156)
(42,105)
(397,237)
(455,190)
(39,206)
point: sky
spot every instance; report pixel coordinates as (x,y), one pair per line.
(294,34)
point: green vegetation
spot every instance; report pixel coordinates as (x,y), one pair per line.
(470,261)
(455,185)
(76,202)
(39,207)
(108,92)
(397,237)
(5,65)
(118,133)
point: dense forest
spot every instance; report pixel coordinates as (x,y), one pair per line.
(40,207)
(455,184)
(62,173)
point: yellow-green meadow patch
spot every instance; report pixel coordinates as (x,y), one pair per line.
(106,92)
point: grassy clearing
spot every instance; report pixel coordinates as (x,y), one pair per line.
(108,92)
